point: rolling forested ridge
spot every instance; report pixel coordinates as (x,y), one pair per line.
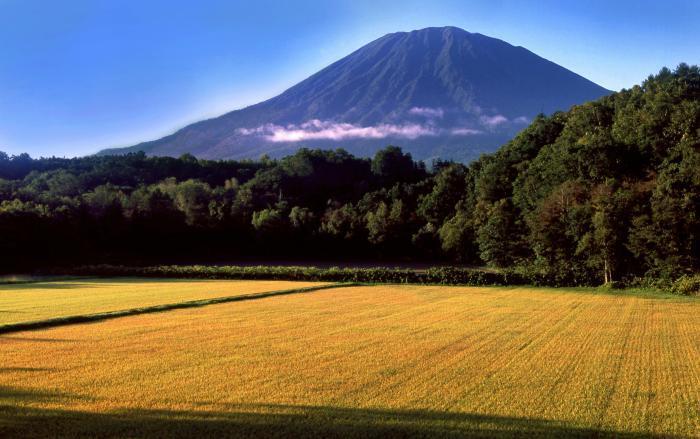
(608,191)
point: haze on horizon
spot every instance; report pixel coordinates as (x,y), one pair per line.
(80,75)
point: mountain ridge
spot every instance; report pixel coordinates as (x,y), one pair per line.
(438,92)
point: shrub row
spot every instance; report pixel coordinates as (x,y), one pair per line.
(685,285)
(436,275)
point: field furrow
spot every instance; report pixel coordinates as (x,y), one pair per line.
(38,301)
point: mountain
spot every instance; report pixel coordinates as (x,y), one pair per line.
(437,92)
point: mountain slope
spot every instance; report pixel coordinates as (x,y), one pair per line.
(438,92)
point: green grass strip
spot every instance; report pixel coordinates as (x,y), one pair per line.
(89,318)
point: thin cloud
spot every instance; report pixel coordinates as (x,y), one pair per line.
(324,130)
(465,131)
(493,121)
(427,112)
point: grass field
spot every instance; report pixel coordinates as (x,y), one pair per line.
(367,361)
(35,301)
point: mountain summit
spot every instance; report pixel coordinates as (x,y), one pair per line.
(437,92)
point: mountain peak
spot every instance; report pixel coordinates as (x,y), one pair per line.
(436,29)
(438,92)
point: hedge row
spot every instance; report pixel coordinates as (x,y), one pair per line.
(686,285)
(436,275)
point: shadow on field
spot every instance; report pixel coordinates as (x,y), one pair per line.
(58,285)
(12,394)
(13,338)
(270,421)
(72,282)
(26,369)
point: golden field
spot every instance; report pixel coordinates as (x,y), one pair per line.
(367,361)
(43,300)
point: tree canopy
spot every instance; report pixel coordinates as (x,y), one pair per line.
(607,191)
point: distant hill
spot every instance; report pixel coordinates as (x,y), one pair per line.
(437,92)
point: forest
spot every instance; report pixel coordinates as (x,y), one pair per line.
(606,192)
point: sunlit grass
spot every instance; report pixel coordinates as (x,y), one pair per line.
(380,360)
(28,302)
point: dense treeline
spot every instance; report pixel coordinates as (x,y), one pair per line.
(608,191)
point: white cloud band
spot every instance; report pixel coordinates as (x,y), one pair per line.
(325,130)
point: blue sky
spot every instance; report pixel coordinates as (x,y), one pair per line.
(77,76)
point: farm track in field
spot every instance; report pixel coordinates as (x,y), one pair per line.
(96,317)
